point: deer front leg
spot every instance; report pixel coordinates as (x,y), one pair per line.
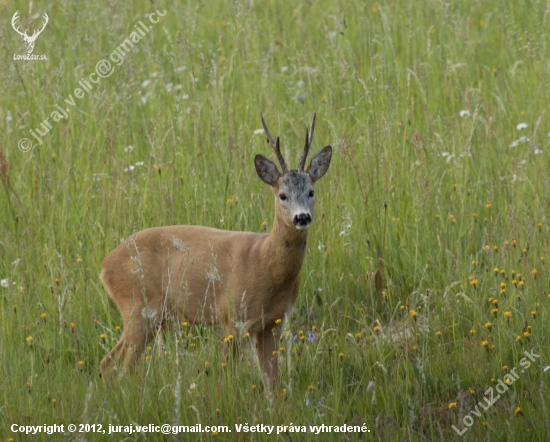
(265,345)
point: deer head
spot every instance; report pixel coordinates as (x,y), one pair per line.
(294,189)
(29,41)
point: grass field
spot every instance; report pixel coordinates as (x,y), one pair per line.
(426,278)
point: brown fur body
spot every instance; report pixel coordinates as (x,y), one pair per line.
(203,276)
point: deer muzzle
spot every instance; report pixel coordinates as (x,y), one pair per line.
(302,221)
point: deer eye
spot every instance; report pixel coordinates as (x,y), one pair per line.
(311,193)
(282,196)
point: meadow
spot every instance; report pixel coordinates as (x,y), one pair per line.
(426,276)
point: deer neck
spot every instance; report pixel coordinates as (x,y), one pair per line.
(285,249)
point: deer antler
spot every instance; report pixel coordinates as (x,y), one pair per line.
(13,20)
(275,145)
(35,34)
(309,140)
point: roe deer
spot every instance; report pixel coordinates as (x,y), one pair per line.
(242,280)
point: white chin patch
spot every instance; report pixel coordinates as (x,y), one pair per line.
(303,227)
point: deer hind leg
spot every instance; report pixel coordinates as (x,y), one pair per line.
(266,347)
(138,332)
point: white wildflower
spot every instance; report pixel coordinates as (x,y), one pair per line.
(346,224)
(129,148)
(178,243)
(258,132)
(464,113)
(149,314)
(521,126)
(145,83)
(520,140)
(537,151)
(139,164)
(180,69)
(285,68)
(5,282)
(213,275)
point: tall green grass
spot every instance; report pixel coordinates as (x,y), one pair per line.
(428,199)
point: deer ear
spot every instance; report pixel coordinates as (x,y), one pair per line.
(319,164)
(266,169)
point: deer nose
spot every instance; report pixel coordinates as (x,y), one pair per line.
(302,220)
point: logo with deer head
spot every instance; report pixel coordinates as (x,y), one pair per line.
(29,40)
